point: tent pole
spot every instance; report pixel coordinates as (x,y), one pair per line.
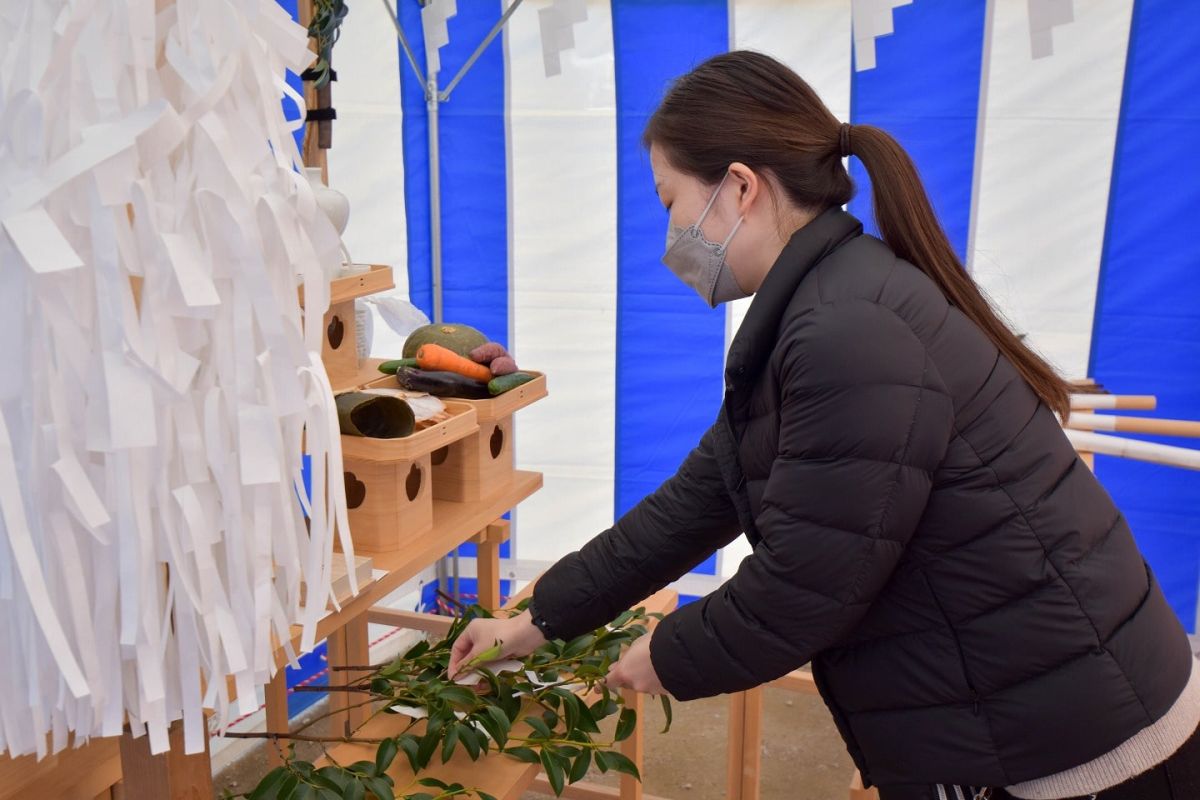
(435,195)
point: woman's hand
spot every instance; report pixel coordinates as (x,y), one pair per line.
(517,637)
(635,671)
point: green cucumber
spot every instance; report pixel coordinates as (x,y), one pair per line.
(390,367)
(506,383)
(441,384)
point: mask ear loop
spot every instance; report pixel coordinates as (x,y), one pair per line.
(711,200)
(708,208)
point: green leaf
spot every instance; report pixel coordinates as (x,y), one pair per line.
(621,619)
(484,795)
(666,705)
(496,723)
(417,650)
(526,754)
(449,743)
(580,767)
(381,789)
(554,772)
(434,782)
(363,767)
(325,793)
(419,796)
(268,787)
(303,791)
(626,724)
(470,737)
(332,778)
(620,763)
(429,743)
(458,694)
(491,654)
(411,748)
(353,791)
(579,646)
(385,755)
(539,726)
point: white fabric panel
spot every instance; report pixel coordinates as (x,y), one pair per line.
(1049,130)
(813,38)
(366,162)
(562,139)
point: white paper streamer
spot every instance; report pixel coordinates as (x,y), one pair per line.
(152,541)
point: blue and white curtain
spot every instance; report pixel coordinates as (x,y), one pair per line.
(1059,140)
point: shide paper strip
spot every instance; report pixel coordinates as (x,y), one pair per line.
(159,377)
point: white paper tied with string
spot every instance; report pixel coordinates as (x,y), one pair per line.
(153,530)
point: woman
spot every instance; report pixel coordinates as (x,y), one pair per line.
(977,615)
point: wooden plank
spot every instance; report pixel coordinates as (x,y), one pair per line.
(460,424)
(752,744)
(487,573)
(75,773)
(1112,422)
(634,748)
(358,280)
(438,624)
(736,746)
(278,720)
(358,652)
(169,776)
(799,680)
(511,401)
(339,702)
(1140,402)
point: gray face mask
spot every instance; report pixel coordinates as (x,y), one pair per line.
(700,263)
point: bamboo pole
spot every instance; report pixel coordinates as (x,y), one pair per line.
(1109,422)
(1137,450)
(1138,402)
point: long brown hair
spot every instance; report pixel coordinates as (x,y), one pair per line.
(748,107)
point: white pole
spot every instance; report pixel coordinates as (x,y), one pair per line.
(1086,441)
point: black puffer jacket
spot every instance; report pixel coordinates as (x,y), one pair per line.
(974,605)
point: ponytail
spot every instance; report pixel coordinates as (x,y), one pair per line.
(907,223)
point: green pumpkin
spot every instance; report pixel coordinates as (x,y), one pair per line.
(461,339)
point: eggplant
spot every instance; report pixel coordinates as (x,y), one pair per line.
(441,384)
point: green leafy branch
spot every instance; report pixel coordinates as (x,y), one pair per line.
(562,727)
(325,28)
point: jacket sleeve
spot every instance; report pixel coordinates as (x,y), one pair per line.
(864,421)
(664,536)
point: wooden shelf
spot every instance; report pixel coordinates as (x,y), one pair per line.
(368,371)
(358,281)
(497,774)
(511,401)
(453,524)
(461,424)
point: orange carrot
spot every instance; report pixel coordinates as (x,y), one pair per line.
(436,358)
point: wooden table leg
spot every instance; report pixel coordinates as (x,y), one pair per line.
(277,717)
(744,761)
(735,749)
(358,652)
(487,562)
(335,656)
(752,745)
(169,776)
(349,646)
(634,748)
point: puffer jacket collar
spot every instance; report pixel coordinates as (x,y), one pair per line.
(755,338)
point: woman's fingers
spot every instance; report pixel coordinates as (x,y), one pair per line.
(463,650)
